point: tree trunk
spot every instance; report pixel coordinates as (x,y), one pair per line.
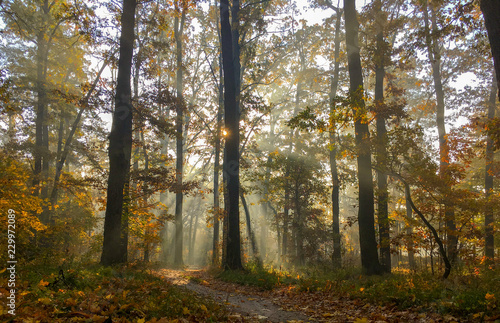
(366,221)
(435,61)
(147,233)
(409,232)
(383,195)
(41,145)
(437,239)
(491,12)
(67,144)
(217,211)
(232,259)
(489,217)
(337,238)
(250,232)
(178,33)
(120,148)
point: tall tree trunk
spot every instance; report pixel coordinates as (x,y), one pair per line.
(491,12)
(383,195)
(41,152)
(217,211)
(178,33)
(120,147)
(435,61)
(366,220)
(232,259)
(337,238)
(489,217)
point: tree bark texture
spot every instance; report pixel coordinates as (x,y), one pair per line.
(489,217)
(435,61)
(366,221)
(178,33)
(382,193)
(337,253)
(120,148)
(491,12)
(231,165)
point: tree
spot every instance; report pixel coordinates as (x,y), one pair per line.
(367,241)
(120,148)
(231,165)
(180,106)
(434,56)
(383,195)
(491,12)
(489,217)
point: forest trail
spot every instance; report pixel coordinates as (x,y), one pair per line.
(285,304)
(243,304)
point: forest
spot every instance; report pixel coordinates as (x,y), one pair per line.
(249,161)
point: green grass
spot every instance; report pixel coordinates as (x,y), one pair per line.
(265,278)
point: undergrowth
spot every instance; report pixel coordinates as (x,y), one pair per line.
(98,294)
(462,295)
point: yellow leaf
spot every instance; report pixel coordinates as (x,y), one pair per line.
(3,270)
(362,320)
(43,283)
(141,320)
(185,311)
(45,300)
(361,289)
(204,308)
(489,296)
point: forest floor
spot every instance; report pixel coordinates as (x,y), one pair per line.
(286,304)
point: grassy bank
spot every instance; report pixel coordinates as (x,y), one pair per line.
(96,294)
(474,296)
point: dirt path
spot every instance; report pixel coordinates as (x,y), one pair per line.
(251,307)
(285,304)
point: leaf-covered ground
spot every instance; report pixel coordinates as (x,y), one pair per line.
(143,295)
(325,305)
(97,294)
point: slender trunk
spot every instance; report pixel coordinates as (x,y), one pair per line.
(250,232)
(217,211)
(232,259)
(120,148)
(437,239)
(286,212)
(193,238)
(489,217)
(366,221)
(298,225)
(435,61)
(41,139)
(147,243)
(409,232)
(383,195)
(67,144)
(178,33)
(337,237)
